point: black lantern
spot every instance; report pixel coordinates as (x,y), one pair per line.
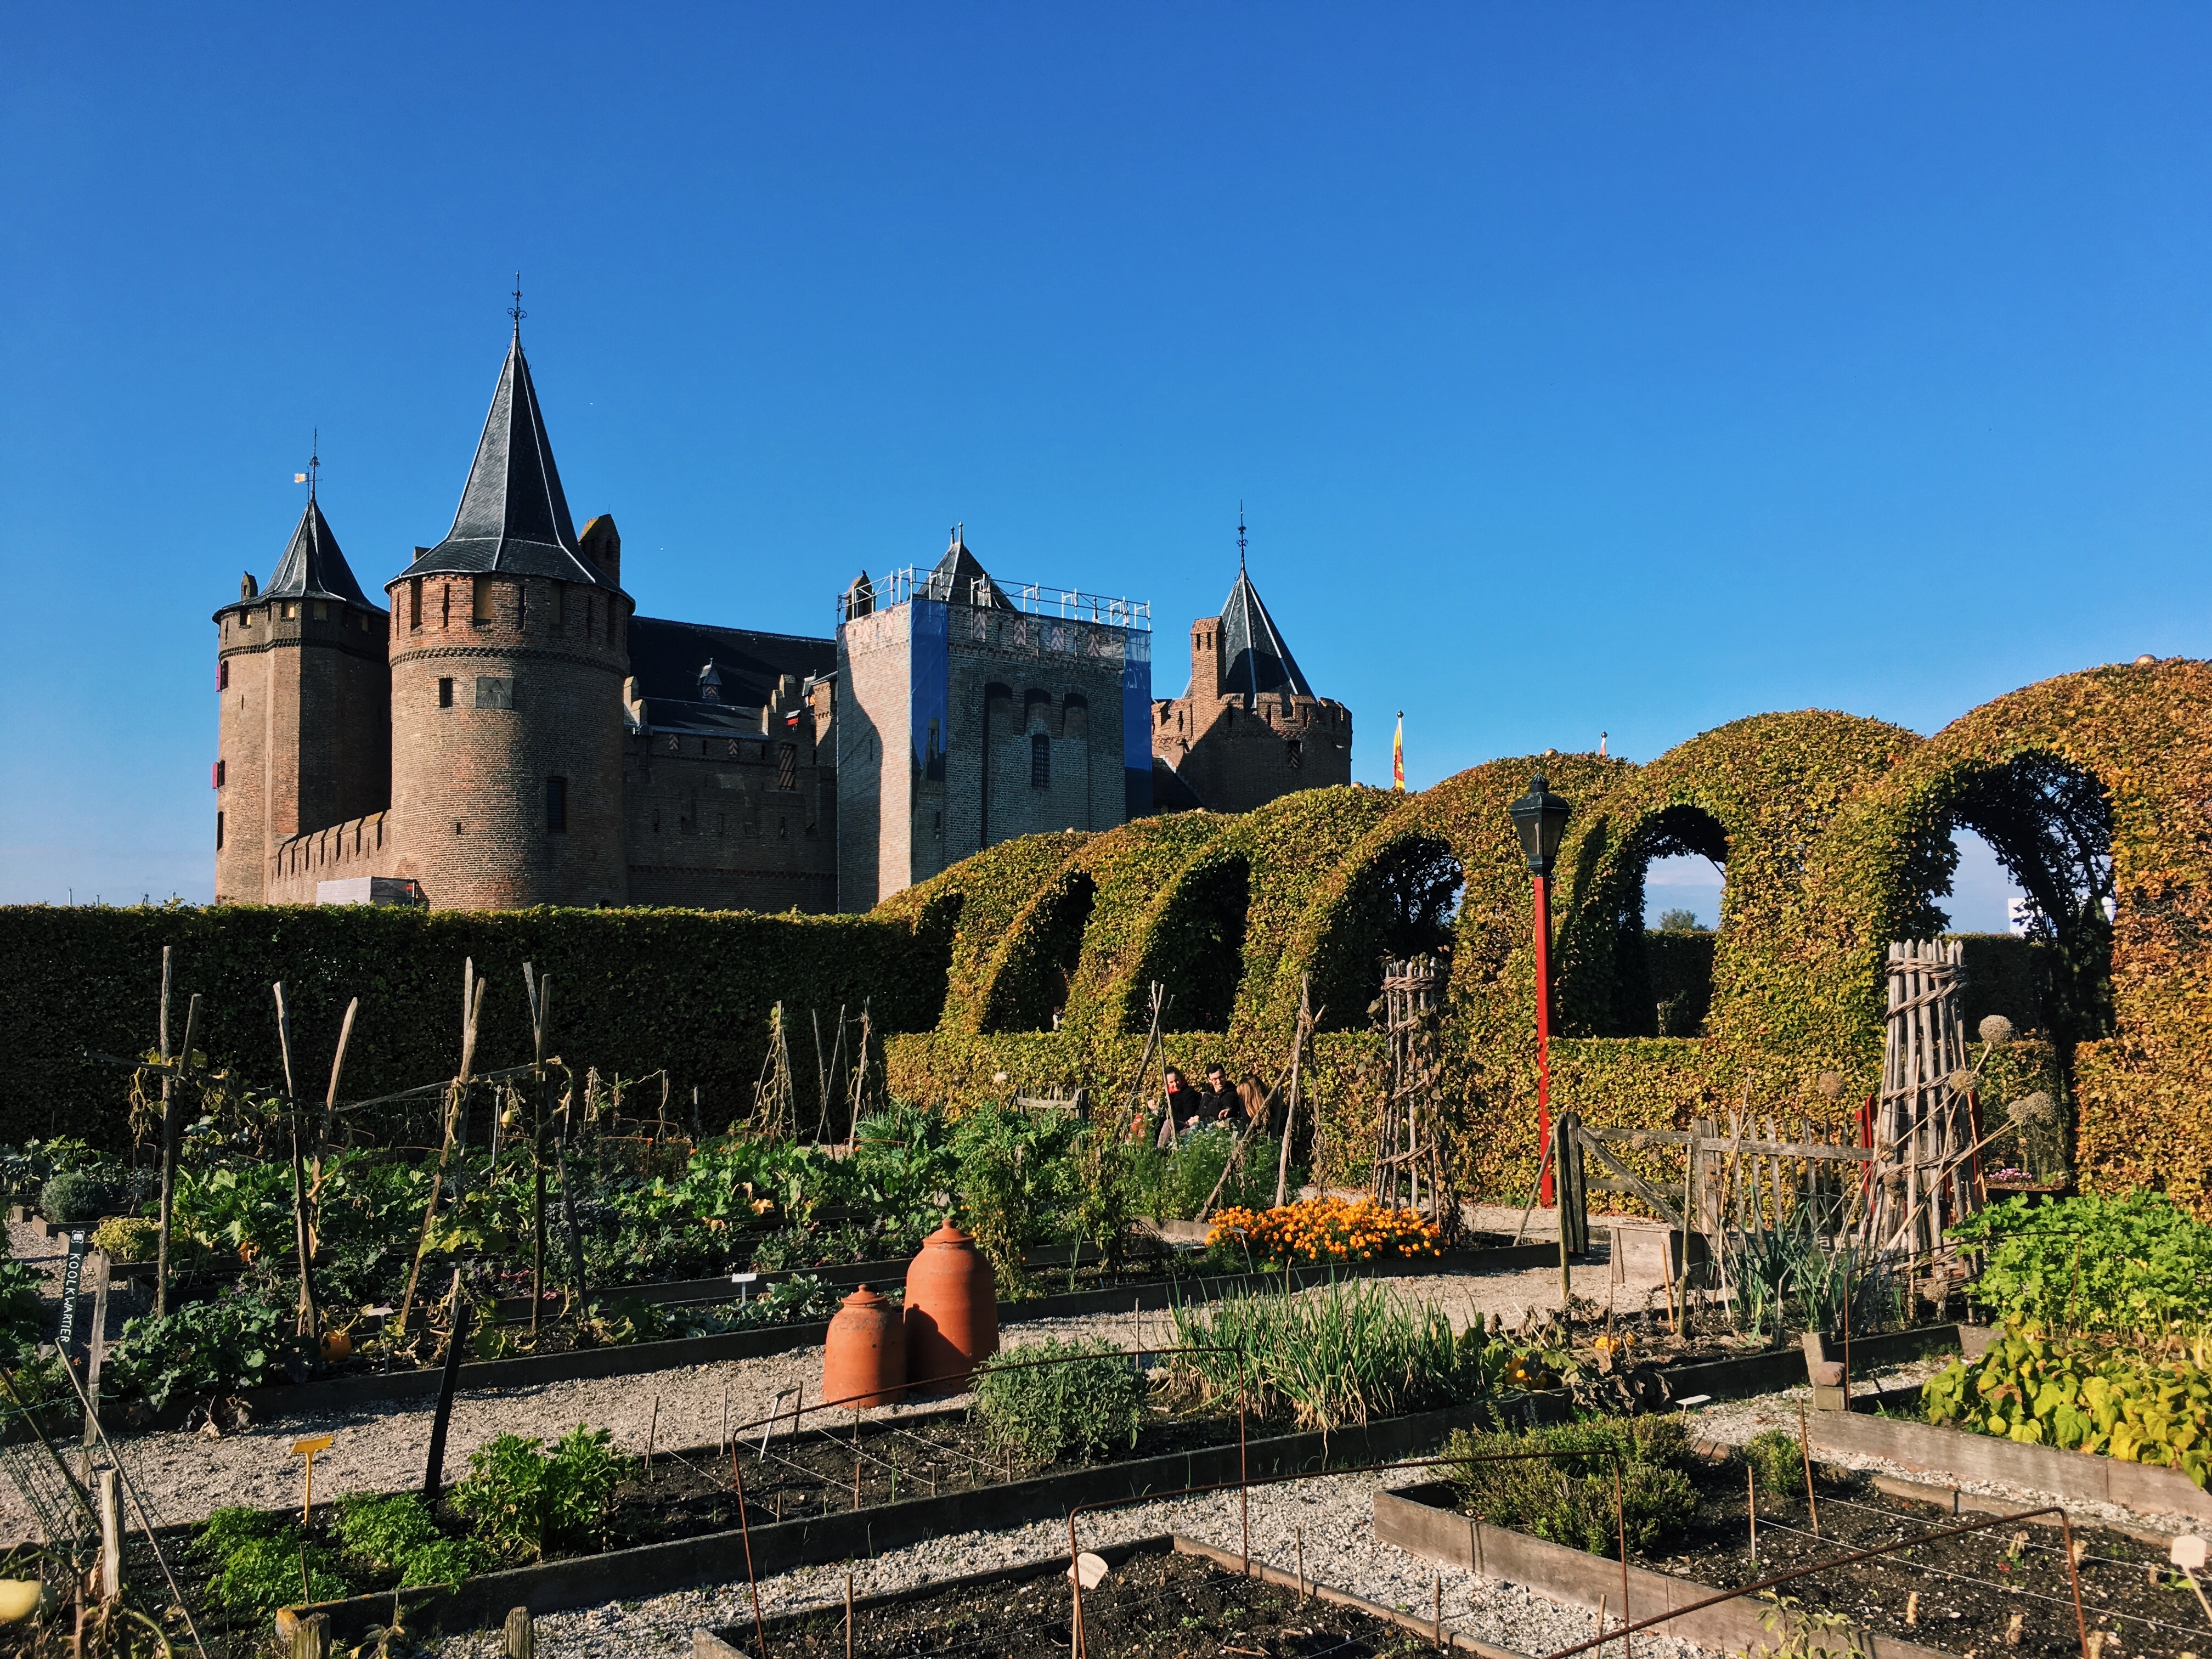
(1541,819)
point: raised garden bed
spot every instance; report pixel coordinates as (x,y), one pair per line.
(1968,1588)
(1169,1598)
(2081,1476)
(718,1556)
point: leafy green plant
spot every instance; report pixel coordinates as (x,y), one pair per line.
(78,1197)
(1352,1352)
(263,1565)
(127,1239)
(399,1534)
(23,1310)
(1089,1405)
(2135,1265)
(525,1501)
(444,1561)
(1570,1500)
(1777,1462)
(2080,1397)
(380,1532)
(1012,1181)
(202,1350)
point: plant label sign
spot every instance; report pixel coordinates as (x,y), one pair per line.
(72,1285)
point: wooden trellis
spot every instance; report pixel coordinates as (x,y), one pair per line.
(1923,1128)
(1412,1153)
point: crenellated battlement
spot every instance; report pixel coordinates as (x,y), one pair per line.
(359,847)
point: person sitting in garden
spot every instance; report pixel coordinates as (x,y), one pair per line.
(1218,1101)
(1179,1109)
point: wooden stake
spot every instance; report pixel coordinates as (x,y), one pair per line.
(519,1640)
(652,1433)
(1751,1495)
(472,989)
(310,1322)
(111,1537)
(434,1474)
(848,1616)
(1290,1110)
(1805,1448)
(1301,1536)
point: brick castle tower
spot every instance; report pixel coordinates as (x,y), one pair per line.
(510,643)
(304,727)
(1249,728)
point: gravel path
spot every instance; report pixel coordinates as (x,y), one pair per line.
(186,1475)
(1334,1512)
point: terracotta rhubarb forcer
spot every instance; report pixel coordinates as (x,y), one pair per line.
(863,1360)
(951,1312)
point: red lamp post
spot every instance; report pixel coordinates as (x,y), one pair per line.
(1541,818)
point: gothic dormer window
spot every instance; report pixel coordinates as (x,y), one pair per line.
(710,682)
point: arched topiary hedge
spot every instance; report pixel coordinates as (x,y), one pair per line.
(2144,733)
(1836,831)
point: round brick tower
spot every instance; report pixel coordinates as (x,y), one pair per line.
(510,641)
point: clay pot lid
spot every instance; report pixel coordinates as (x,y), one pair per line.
(949,1237)
(862,1298)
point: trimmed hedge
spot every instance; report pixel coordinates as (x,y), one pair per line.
(634,991)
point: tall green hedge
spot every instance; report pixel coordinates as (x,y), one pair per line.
(634,991)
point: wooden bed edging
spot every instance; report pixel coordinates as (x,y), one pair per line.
(1420,1521)
(718,1557)
(2082,1476)
(340,1393)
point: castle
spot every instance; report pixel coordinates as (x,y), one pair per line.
(505,732)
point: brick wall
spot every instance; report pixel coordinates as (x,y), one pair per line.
(359,846)
(709,825)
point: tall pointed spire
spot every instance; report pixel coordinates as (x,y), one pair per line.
(1256,660)
(313,568)
(513,518)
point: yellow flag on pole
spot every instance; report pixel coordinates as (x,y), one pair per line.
(1398,754)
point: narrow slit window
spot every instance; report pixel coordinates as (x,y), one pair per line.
(218,832)
(1040,761)
(445,694)
(556,806)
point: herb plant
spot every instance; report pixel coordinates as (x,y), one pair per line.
(1570,1500)
(1086,1406)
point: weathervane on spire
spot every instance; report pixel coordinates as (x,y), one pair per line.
(1240,535)
(515,310)
(314,463)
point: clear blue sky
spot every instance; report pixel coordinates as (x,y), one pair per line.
(1626,369)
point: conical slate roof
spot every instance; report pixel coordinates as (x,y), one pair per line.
(1257,661)
(513,518)
(956,575)
(313,568)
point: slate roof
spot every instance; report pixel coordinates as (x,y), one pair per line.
(956,574)
(313,568)
(1258,662)
(513,517)
(666,657)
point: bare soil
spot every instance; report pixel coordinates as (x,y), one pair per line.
(1160,1606)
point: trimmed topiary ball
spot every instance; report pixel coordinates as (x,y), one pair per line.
(77,1198)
